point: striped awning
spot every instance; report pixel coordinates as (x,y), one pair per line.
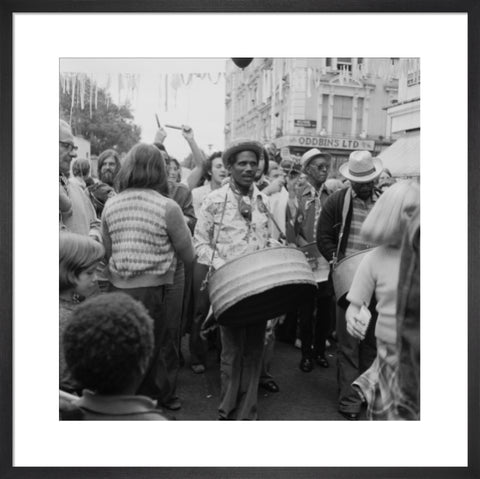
(402,158)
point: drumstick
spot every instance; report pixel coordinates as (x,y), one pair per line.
(270,216)
(158,121)
(174,127)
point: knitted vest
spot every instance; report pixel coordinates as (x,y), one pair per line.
(142,253)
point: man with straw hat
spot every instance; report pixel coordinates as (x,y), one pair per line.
(338,237)
(232,222)
(314,317)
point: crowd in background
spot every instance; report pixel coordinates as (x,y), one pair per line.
(139,243)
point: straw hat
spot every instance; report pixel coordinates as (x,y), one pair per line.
(361,167)
(239,145)
(310,155)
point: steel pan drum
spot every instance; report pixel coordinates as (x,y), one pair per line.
(260,286)
(344,271)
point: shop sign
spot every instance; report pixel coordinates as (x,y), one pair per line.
(326,142)
(305,123)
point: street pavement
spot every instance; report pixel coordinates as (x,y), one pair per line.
(302,396)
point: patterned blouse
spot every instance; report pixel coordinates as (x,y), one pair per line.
(239,234)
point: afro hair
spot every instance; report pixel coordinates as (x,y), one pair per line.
(108,342)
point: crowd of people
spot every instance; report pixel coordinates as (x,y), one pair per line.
(140,243)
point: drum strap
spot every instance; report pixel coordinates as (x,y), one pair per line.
(346,207)
(214,247)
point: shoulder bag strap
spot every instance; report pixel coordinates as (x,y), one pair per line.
(346,207)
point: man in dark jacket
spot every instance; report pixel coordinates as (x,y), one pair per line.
(314,317)
(338,236)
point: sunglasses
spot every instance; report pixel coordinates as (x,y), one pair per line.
(69,146)
(321,167)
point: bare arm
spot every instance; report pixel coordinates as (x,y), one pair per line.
(198,158)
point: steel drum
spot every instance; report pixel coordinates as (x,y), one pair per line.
(344,271)
(260,286)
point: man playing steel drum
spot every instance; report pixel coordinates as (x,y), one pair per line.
(338,236)
(233,222)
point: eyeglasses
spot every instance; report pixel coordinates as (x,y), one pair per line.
(69,146)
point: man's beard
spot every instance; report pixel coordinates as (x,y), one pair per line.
(364,194)
(107,177)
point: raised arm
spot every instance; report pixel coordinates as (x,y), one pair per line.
(198,158)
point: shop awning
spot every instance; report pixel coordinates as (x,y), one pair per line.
(402,158)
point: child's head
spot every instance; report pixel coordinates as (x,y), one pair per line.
(386,221)
(108,343)
(79,257)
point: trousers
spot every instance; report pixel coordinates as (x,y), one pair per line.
(240,364)
(314,322)
(201,304)
(174,296)
(155,382)
(353,358)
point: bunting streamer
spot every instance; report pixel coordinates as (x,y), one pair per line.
(82,92)
(90,98)
(124,87)
(74,79)
(96,95)
(166,92)
(188,80)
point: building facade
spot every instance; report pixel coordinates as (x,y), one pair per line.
(335,104)
(402,158)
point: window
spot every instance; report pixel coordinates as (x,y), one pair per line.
(413,78)
(344,64)
(342,115)
(325,111)
(359,115)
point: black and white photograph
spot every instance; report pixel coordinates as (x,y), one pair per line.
(241,197)
(239,239)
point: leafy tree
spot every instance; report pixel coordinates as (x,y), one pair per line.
(109,126)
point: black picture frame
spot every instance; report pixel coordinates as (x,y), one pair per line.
(7,8)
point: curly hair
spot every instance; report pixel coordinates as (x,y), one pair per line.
(77,253)
(108,343)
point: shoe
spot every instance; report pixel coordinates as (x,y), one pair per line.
(351,416)
(173,404)
(198,368)
(306,365)
(271,386)
(323,362)
(298,343)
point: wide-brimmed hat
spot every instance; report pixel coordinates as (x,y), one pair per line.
(308,156)
(361,167)
(239,145)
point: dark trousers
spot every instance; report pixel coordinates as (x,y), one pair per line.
(353,358)
(314,322)
(155,383)
(241,361)
(201,304)
(174,302)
